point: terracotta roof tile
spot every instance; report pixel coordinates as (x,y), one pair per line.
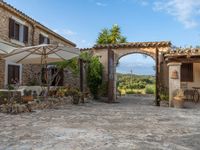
(131,45)
(182,52)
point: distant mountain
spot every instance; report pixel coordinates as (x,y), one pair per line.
(134,75)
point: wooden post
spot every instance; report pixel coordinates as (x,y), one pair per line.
(81,79)
(157,79)
(110,76)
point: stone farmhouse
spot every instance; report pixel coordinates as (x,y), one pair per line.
(19,30)
(175,68)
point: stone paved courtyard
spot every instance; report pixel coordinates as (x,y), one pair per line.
(134,123)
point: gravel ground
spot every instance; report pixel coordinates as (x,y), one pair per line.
(134,123)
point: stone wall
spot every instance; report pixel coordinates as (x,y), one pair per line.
(174,83)
(2,72)
(70,79)
(30,73)
(53,39)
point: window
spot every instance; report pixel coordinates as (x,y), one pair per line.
(187,72)
(13,74)
(43,39)
(18,31)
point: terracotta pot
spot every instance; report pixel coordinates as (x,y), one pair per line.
(178,102)
(27,98)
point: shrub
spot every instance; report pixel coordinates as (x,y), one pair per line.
(150,89)
(131,92)
(163,93)
(103,89)
(122,92)
(94,76)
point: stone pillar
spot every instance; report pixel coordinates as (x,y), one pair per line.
(174,82)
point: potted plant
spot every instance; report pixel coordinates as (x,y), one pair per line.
(27,96)
(178,100)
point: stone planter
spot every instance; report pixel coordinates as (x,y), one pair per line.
(164,103)
(178,102)
(76,100)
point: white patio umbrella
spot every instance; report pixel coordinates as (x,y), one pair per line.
(42,54)
(2,52)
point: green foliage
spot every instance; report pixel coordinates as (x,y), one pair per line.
(150,89)
(129,81)
(103,89)
(86,56)
(10,87)
(94,76)
(133,92)
(33,82)
(111,36)
(71,64)
(163,94)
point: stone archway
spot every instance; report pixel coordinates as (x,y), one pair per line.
(110,54)
(152,56)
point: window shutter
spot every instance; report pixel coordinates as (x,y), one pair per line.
(187,72)
(41,39)
(190,72)
(16,31)
(48,41)
(10,74)
(25,34)
(11,28)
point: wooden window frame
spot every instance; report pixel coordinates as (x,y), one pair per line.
(16,30)
(43,39)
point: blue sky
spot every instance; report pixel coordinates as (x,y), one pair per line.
(177,21)
(136,63)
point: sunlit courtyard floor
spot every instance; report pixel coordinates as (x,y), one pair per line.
(134,123)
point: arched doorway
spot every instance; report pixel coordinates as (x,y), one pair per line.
(135,74)
(109,55)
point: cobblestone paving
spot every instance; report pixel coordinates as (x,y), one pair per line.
(134,123)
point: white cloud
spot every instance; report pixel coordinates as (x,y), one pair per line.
(143,2)
(74,37)
(69,32)
(185,11)
(65,32)
(101,4)
(140,2)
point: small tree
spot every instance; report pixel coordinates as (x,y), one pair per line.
(94,76)
(111,36)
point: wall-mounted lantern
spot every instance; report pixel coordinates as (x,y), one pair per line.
(174,75)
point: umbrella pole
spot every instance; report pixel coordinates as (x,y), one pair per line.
(47,76)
